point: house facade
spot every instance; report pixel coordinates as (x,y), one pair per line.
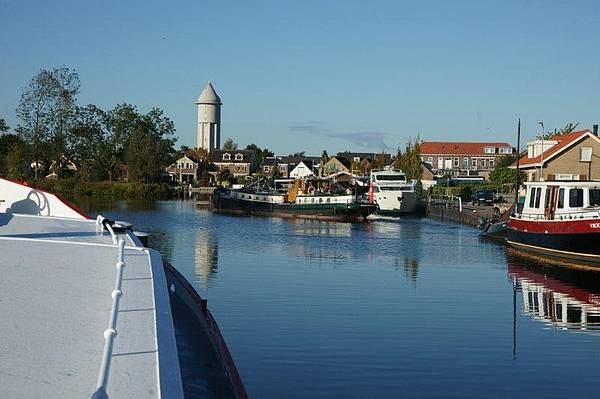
(572,156)
(336,164)
(463,158)
(184,170)
(239,162)
(303,169)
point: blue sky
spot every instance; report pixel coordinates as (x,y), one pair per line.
(313,75)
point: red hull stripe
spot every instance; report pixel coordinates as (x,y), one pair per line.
(213,330)
(582,226)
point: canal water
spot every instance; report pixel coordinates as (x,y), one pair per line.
(411,308)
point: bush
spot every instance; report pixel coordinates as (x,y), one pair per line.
(105,189)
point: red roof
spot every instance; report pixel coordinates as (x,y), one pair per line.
(458,147)
(563,141)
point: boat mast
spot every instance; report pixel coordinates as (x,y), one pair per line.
(518,158)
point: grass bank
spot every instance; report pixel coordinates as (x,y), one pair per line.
(105,189)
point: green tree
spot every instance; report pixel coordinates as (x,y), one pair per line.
(9,143)
(150,149)
(568,128)
(225,177)
(3,126)
(410,161)
(261,154)
(230,145)
(87,141)
(45,112)
(502,175)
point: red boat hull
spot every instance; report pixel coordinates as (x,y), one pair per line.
(576,239)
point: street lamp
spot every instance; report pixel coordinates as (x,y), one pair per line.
(541,123)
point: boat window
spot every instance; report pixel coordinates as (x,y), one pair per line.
(538,197)
(390,177)
(328,200)
(594,196)
(561,198)
(576,197)
(547,199)
(532,197)
(535,197)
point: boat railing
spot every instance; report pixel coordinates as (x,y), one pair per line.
(446,201)
(111,331)
(572,215)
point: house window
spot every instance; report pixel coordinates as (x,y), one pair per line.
(239,157)
(483,163)
(490,150)
(226,157)
(491,163)
(440,163)
(356,159)
(456,162)
(430,159)
(465,163)
(474,163)
(586,154)
(576,197)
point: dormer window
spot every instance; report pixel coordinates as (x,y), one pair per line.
(489,150)
(239,157)
(226,157)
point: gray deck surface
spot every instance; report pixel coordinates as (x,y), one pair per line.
(55,301)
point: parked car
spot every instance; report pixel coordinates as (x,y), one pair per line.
(483,197)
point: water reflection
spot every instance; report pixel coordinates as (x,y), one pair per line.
(560,297)
(206,256)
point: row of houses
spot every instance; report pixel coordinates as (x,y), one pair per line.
(572,156)
(245,164)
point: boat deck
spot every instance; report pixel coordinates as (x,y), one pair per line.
(57,279)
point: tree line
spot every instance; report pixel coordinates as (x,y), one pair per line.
(57,136)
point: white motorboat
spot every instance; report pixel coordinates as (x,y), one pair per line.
(392,193)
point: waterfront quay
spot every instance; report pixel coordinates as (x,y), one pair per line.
(391,308)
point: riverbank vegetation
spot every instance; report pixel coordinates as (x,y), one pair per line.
(61,145)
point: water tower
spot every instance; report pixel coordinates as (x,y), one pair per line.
(209,119)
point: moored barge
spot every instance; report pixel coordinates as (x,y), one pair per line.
(560,219)
(304,199)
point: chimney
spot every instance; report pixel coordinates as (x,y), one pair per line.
(595,130)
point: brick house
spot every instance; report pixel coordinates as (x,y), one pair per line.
(572,156)
(184,170)
(239,162)
(463,158)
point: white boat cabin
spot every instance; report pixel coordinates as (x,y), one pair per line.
(390,180)
(561,200)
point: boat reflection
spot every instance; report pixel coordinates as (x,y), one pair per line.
(206,254)
(304,227)
(558,296)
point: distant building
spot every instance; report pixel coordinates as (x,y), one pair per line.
(184,170)
(572,156)
(303,169)
(337,164)
(364,158)
(463,158)
(427,176)
(239,162)
(208,134)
